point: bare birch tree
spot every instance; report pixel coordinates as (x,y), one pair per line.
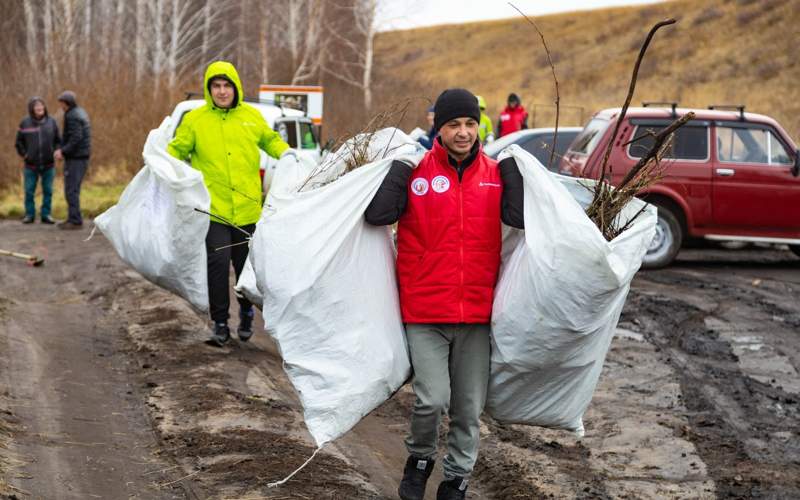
(353,65)
(47,34)
(139,50)
(86,32)
(116,44)
(65,31)
(303,35)
(31,45)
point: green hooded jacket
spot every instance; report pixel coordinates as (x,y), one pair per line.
(485,128)
(223,144)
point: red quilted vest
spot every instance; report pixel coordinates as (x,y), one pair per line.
(511,120)
(449,241)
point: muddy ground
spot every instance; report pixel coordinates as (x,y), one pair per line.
(108,391)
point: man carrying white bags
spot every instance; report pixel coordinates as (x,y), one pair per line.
(222,139)
(449,211)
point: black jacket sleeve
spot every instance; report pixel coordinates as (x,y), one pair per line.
(73,134)
(57,136)
(19,143)
(512,208)
(390,200)
(525,122)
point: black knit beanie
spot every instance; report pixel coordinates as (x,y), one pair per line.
(455,103)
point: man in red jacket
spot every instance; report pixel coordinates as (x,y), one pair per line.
(449,211)
(513,118)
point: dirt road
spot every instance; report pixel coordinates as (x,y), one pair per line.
(107,391)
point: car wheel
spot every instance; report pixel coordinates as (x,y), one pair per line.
(666,242)
(795,249)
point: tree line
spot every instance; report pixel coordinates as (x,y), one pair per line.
(129,61)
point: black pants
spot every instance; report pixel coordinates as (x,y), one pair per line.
(74,170)
(219,266)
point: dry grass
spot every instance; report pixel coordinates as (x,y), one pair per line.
(121,116)
(100,191)
(720,51)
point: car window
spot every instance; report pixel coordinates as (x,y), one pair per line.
(690,142)
(307,138)
(750,145)
(287,129)
(777,151)
(589,137)
(539,146)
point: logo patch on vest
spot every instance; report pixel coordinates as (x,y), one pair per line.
(419,186)
(440,184)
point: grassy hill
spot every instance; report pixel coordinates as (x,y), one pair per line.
(720,51)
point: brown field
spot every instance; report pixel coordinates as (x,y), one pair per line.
(719,52)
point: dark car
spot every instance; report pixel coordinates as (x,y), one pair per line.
(536,141)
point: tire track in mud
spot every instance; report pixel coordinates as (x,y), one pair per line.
(226,424)
(741,426)
(503,474)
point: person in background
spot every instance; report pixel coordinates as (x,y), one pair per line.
(513,118)
(485,130)
(427,140)
(76,148)
(448,211)
(222,139)
(37,142)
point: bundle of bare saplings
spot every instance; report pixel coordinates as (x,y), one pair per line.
(608,201)
(360,149)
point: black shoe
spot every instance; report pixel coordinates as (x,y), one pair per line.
(48,220)
(28,219)
(220,336)
(245,330)
(415,476)
(453,489)
(69,225)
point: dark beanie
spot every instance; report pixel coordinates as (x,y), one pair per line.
(68,97)
(513,97)
(455,103)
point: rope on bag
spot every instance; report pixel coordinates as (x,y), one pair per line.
(282,481)
(92,233)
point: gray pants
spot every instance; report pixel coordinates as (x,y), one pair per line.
(451,371)
(74,170)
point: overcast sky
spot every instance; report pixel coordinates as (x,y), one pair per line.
(400,14)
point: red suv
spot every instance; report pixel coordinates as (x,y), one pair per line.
(730,175)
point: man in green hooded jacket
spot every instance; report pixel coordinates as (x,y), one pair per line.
(222,139)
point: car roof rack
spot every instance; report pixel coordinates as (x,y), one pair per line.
(671,104)
(257,100)
(737,107)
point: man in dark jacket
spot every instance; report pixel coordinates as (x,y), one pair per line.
(37,142)
(76,147)
(449,211)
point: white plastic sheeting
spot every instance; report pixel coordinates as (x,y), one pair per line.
(558,299)
(329,287)
(154,227)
